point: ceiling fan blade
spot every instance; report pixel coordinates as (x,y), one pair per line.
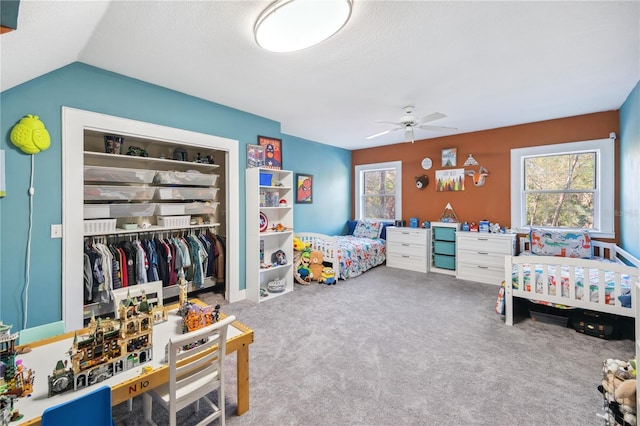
(437,128)
(432,117)
(389,122)
(383,133)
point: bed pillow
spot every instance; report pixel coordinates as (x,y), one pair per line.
(351,226)
(563,244)
(367,229)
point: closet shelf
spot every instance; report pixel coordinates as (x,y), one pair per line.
(151,229)
(103,159)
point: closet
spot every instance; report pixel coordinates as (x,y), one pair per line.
(177,192)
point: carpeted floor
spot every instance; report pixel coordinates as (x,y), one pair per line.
(394,347)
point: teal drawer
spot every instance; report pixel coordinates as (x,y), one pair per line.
(444,234)
(444,261)
(444,247)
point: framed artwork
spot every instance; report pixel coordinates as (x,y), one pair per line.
(304,188)
(255,156)
(449,157)
(272,152)
(450,180)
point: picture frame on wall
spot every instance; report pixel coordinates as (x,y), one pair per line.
(272,152)
(255,156)
(449,157)
(304,188)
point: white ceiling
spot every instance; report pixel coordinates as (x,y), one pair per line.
(483,64)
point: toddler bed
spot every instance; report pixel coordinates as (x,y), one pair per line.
(351,255)
(569,270)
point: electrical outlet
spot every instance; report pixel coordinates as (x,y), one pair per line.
(56,231)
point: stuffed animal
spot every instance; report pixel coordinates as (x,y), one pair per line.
(299,247)
(328,276)
(316,265)
(304,271)
(619,390)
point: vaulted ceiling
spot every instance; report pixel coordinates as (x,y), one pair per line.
(483,64)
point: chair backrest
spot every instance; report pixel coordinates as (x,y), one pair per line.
(152,291)
(40,332)
(197,371)
(92,408)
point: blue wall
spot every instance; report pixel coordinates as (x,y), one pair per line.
(84,87)
(629,172)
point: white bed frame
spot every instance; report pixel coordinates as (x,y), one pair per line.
(610,251)
(326,244)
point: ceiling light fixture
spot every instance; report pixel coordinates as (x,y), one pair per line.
(291,25)
(408,134)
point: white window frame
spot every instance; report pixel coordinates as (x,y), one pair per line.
(359,170)
(604,197)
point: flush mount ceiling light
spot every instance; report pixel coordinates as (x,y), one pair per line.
(291,25)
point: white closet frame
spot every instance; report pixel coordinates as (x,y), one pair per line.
(74,124)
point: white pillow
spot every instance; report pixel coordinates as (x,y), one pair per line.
(367,229)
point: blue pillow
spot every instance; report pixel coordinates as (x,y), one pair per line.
(383,233)
(351,226)
(625,299)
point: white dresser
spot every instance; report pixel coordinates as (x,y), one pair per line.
(481,255)
(408,248)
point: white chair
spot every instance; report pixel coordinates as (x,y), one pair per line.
(193,373)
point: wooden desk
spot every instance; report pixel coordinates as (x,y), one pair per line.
(45,353)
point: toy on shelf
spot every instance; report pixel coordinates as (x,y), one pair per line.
(448,215)
(109,347)
(195,317)
(16,380)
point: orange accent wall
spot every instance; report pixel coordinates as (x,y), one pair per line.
(492,149)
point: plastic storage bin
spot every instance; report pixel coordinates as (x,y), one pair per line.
(105,192)
(444,262)
(132,209)
(200,207)
(185,178)
(442,247)
(187,193)
(169,209)
(265,179)
(173,221)
(117,174)
(444,234)
(96,211)
(101,226)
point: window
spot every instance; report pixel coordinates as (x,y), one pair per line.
(379,191)
(567,186)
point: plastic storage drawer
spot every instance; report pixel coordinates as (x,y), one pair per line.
(170,209)
(117,174)
(441,247)
(187,193)
(444,234)
(132,209)
(185,178)
(444,261)
(96,211)
(103,192)
(200,208)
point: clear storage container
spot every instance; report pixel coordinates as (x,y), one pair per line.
(187,193)
(124,193)
(96,211)
(132,209)
(117,174)
(201,207)
(168,209)
(174,221)
(194,178)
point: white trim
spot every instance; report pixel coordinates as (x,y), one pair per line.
(397,165)
(604,219)
(74,123)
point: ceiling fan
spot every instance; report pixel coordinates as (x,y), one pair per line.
(408,122)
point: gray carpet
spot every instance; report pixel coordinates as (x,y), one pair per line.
(393,347)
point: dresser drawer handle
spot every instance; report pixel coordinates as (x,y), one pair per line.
(406,256)
(405,244)
(483,239)
(483,267)
(483,252)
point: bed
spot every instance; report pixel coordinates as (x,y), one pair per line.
(572,271)
(350,255)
